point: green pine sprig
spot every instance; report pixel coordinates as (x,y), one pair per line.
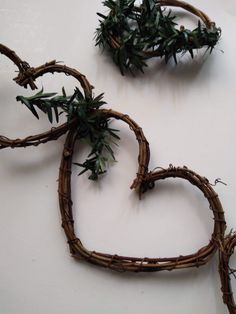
(92,124)
(134,34)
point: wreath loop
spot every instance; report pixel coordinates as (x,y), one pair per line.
(134,34)
(26,76)
(226,250)
(135,264)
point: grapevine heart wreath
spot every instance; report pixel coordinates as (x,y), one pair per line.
(87,120)
(134,32)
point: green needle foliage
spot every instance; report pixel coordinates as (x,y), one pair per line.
(93,125)
(134,34)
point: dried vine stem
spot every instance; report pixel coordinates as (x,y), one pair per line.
(35,140)
(23,79)
(226,250)
(144,151)
(188,7)
(27,75)
(143,182)
(23,66)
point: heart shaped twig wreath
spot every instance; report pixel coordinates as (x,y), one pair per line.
(86,120)
(226,250)
(135,33)
(143,181)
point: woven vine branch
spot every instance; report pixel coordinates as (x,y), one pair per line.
(134,33)
(226,250)
(23,66)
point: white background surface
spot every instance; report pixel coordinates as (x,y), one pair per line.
(187,113)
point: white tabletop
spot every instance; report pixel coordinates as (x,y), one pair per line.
(188,115)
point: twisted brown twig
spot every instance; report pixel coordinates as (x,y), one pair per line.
(188,7)
(142,183)
(27,75)
(35,140)
(24,78)
(23,66)
(226,250)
